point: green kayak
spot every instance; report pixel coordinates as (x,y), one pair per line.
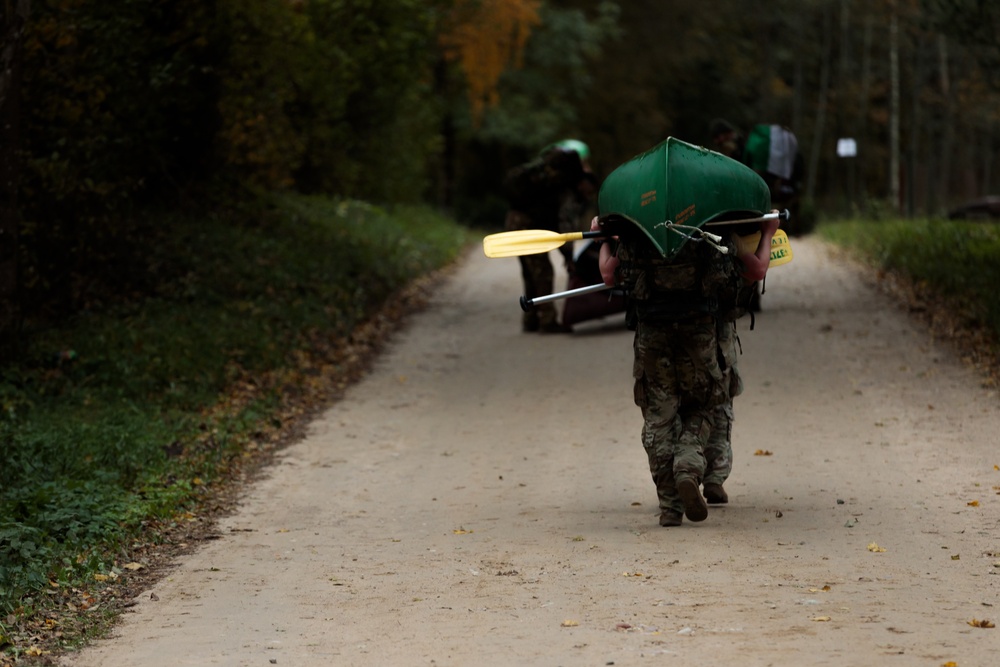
(675,187)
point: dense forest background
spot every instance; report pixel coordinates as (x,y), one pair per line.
(118,115)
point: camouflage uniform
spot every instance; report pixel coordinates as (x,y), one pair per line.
(538,275)
(685,364)
(719,449)
(544,194)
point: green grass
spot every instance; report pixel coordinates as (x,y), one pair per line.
(125,416)
(959,260)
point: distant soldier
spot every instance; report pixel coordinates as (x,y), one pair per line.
(551,192)
(773,152)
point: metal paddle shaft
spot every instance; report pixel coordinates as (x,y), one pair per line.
(781,215)
(526,303)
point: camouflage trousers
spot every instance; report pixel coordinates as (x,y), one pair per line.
(537,274)
(684,380)
(719,450)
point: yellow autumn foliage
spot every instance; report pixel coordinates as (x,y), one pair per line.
(485,37)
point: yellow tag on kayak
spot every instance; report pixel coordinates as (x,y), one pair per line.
(781,249)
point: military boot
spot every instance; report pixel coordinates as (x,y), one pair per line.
(695,508)
(670,518)
(715,494)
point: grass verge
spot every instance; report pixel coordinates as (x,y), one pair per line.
(947,271)
(124,431)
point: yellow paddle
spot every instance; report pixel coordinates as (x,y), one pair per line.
(536,241)
(530,241)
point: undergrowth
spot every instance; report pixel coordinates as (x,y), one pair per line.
(125,416)
(957,260)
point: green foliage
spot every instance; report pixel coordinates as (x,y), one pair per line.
(114,99)
(116,106)
(52,521)
(265,64)
(108,421)
(546,99)
(328,91)
(973,23)
(959,260)
(150,102)
(543,100)
(366,112)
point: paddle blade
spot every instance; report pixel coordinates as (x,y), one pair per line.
(525,242)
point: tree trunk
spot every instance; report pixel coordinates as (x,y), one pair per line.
(12,24)
(845,165)
(986,184)
(821,103)
(864,95)
(946,149)
(916,126)
(894,189)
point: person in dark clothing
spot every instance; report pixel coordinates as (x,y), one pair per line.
(551,192)
(773,152)
(727,139)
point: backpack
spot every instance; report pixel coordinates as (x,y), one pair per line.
(697,280)
(554,170)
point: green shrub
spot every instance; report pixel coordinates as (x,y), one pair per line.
(958,259)
(122,414)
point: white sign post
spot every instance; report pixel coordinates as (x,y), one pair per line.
(847,147)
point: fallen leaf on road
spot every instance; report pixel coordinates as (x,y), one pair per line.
(569,624)
(981,624)
(762,452)
(461,531)
(956,557)
(973,503)
(873,547)
(821,619)
(817,590)
(950,663)
(133,566)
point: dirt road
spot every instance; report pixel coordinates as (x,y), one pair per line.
(482,499)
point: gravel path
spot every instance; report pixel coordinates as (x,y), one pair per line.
(482,498)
